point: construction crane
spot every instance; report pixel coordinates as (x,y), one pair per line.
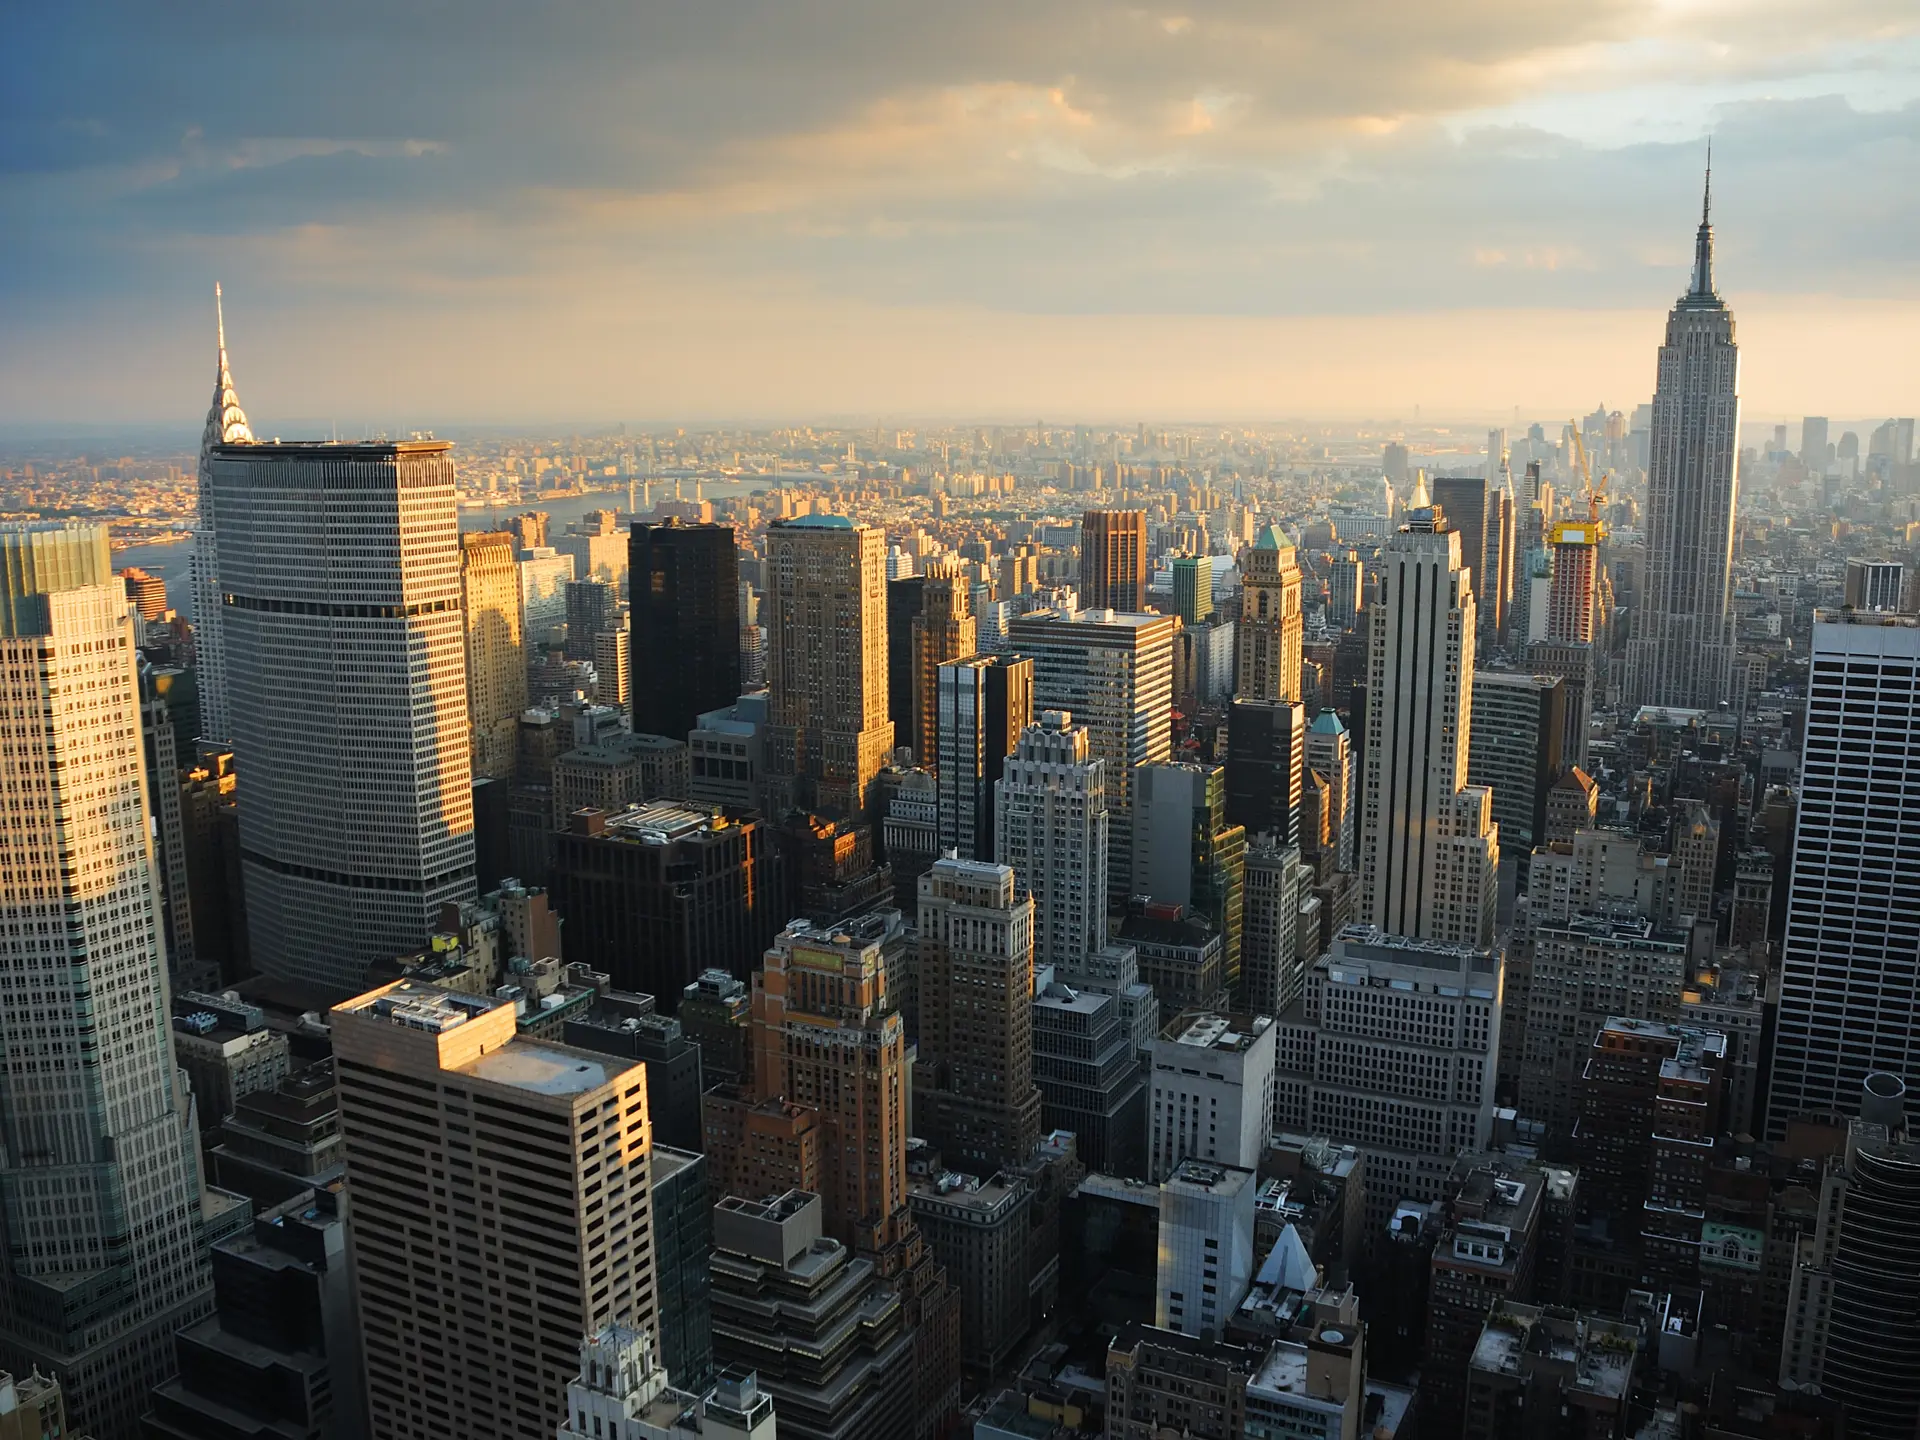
(1585,466)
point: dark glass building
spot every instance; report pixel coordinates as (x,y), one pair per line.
(682,1254)
(1266,761)
(658,893)
(685,582)
(906,597)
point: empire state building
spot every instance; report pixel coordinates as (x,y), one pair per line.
(1682,653)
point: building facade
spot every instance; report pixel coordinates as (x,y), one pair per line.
(1682,650)
(983,704)
(100,1176)
(1113,672)
(1393,1049)
(1052,826)
(356,815)
(544,1152)
(1113,560)
(945,629)
(828,731)
(1429,847)
(685,582)
(1271,623)
(496,655)
(974,1095)
(1850,961)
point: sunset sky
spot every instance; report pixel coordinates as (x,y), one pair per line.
(429,214)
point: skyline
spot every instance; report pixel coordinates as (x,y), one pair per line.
(1222,212)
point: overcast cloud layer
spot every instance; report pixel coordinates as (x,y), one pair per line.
(761,207)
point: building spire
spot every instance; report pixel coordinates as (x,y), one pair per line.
(226,421)
(1702,287)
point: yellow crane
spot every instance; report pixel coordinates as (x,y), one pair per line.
(1585,466)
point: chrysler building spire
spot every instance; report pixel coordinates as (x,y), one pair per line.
(226,425)
(226,421)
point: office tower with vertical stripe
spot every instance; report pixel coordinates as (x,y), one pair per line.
(1682,649)
(1850,961)
(496,658)
(1429,847)
(100,1170)
(828,732)
(340,587)
(1113,560)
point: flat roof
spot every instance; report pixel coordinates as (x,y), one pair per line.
(542,1069)
(345,449)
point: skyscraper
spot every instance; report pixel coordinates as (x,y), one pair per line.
(100,1172)
(1187,852)
(985,701)
(1270,630)
(827,732)
(226,425)
(1193,588)
(1849,968)
(543,1154)
(496,658)
(1051,826)
(826,1034)
(1429,849)
(1266,766)
(1330,756)
(1345,577)
(905,595)
(1113,560)
(1851,1327)
(1463,500)
(1682,649)
(685,583)
(1114,673)
(590,606)
(1813,444)
(1516,752)
(340,589)
(943,630)
(974,1095)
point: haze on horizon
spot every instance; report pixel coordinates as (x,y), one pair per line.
(501,213)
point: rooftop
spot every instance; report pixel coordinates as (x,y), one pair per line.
(542,1069)
(1207,1031)
(1211,1176)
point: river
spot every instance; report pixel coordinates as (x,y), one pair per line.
(170,561)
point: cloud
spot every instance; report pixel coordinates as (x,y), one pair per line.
(1065,158)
